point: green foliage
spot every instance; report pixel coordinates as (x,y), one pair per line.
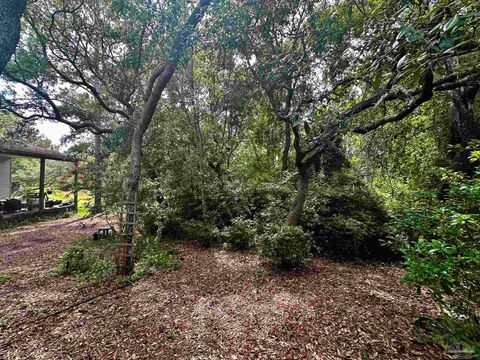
(441,243)
(240,235)
(29,60)
(286,247)
(400,159)
(345,219)
(92,261)
(115,139)
(88,261)
(449,331)
(204,233)
(5,278)
(153,259)
(171,225)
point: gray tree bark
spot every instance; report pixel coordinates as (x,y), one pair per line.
(295,213)
(159,82)
(10,13)
(97,204)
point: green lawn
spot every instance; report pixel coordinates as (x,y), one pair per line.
(85,199)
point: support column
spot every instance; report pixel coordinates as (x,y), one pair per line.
(97,204)
(41,196)
(75,186)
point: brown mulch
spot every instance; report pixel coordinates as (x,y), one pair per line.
(218,305)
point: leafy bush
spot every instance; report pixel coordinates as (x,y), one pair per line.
(346,220)
(92,261)
(286,247)
(240,235)
(88,261)
(204,233)
(153,260)
(441,243)
(171,224)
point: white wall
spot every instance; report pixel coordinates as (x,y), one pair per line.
(5,177)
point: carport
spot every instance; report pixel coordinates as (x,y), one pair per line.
(9,149)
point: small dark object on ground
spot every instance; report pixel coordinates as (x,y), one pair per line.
(104,231)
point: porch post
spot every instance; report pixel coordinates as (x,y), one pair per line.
(41,196)
(75,186)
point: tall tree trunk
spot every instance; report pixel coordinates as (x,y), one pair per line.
(294,216)
(464,127)
(159,82)
(97,205)
(286,145)
(10,13)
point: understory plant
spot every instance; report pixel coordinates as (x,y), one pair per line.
(441,243)
(240,235)
(203,232)
(89,261)
(286,247)
(153,260)
(92,261)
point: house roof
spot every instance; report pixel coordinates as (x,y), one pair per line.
(19,148)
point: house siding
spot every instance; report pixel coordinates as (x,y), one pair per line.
(5,177)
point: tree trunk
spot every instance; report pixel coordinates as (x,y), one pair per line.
(135,160)
(464,128)
(294,216)
(286,145)
(159,83)
(10,13)
(97,205)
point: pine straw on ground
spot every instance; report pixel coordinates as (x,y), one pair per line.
(218,305)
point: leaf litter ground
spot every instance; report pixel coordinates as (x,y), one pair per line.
(218,305)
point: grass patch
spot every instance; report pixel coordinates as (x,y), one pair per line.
(85,201)
(4,278)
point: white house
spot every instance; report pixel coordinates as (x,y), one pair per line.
(5,176)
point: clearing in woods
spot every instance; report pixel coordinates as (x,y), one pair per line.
(218,305)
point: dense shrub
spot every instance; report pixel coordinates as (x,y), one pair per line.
(204,233)
(346,220)
(240,235)
(286,247)
(88,261)
(170,224)
(441,243)
(153,259)
(92,261)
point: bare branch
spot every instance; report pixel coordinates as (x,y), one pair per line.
(57,114)
(426,93)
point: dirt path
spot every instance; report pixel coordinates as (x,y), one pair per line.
(219,305)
